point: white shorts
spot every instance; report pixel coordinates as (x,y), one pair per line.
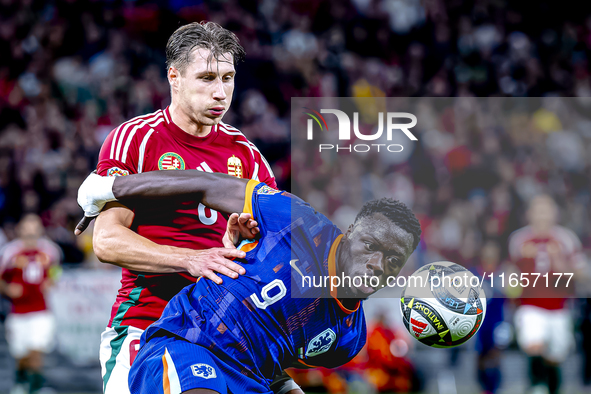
(30,331)
(551,328)
(119,346)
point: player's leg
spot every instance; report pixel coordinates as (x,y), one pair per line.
(16,326)
(560,342)
(21,379)
(119,345)
(284,384)
(42,330)
(35,366)
(530,324)
(294,391)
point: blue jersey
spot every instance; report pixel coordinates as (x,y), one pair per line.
(270,318)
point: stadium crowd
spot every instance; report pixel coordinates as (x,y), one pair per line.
(71,70)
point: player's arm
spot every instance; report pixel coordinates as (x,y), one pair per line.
(115,243)
(217,191)
(8,288)
(11,290)
(221,192)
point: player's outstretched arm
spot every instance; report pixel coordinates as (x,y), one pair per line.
(218,191)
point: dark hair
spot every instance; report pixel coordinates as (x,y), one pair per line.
(208,35)
(397,212)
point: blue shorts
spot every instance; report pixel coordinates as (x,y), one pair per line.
(170,365)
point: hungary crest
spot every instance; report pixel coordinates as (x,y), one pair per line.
(171,161)
(235,167)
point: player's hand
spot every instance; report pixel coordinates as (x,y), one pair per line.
(207,262)
(242,225)
(83,224)
(13,290)
(93,194)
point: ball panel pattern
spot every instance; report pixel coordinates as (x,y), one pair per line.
(443,316)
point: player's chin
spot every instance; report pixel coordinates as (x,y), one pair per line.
(211,120)
(362,292)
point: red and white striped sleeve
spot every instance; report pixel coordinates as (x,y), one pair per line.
(261,170)
(51,249)
(516,242)
(573,247)
(8,252)
(123,150)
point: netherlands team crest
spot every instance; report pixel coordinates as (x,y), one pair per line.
(235,167)
(204,371)
(171,161)
(321,343)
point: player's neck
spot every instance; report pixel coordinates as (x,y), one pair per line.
(349,303)
(186,123)
(541,231)
(29,243)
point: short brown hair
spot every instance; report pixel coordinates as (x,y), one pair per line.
(207,35)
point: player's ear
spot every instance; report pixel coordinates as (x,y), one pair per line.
(173,77)
(349,230)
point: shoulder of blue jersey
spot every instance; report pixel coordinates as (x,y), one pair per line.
(267,190)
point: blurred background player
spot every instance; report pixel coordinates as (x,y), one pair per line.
(28,266)
(544,325)
(163,250)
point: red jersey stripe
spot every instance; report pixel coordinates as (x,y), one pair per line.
(159,119)
(133,121)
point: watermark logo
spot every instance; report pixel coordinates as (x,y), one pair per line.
(315,117)
(387,122)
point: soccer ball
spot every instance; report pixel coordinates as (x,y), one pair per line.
(442,304)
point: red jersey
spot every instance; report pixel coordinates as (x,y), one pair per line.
(153,142)
(28,268)
(535,254)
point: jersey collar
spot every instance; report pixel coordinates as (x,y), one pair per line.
(332,272)
(185,137)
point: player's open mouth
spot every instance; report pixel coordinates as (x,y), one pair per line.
(216,111)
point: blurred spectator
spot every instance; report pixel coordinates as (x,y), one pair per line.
(494,334)
(387,366)
(29,265)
